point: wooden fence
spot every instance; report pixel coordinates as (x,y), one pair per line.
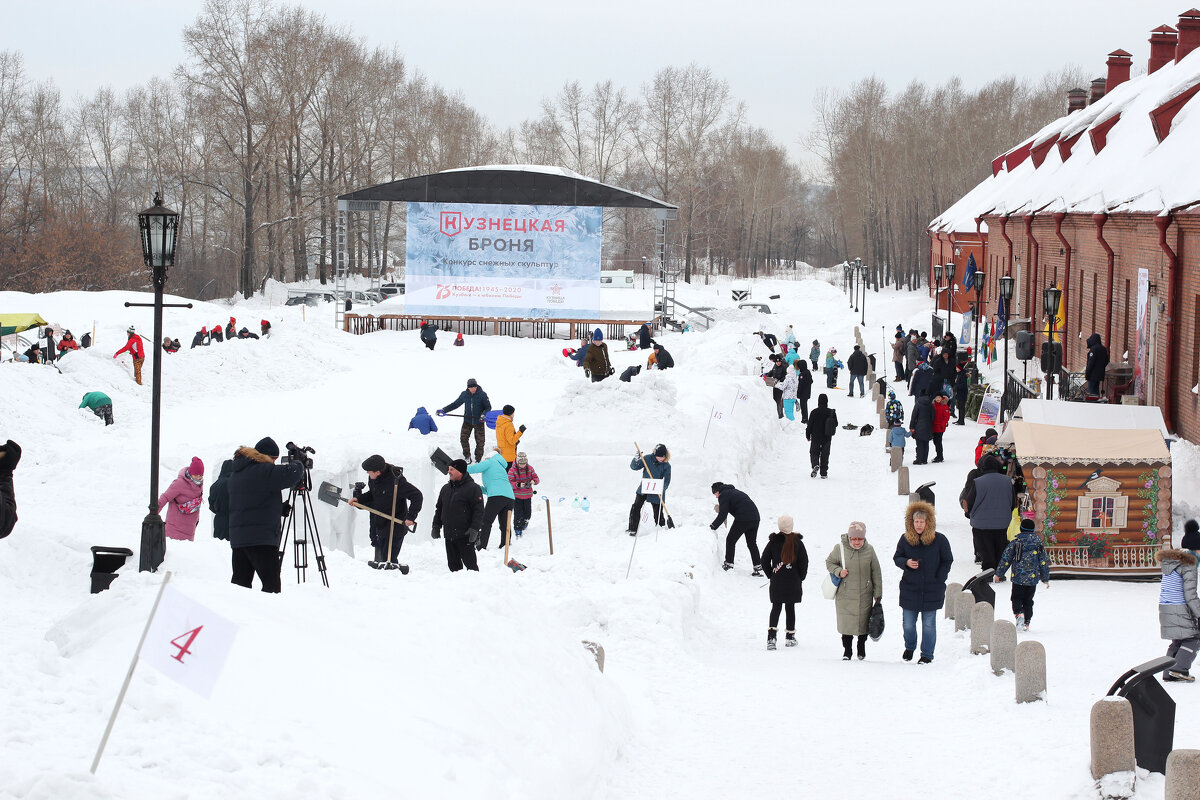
(573,329)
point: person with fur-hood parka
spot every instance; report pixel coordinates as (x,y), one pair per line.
(924,556)
(182,500)
(1178,604)
(855,562)
(785,560)
(256,512)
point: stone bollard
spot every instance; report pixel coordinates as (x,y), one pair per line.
(902,481)
(875,395)
(598,652)
(871,378)
(952,592)
(1004,646)
(1031,672)
(879,401)
(897,454)
(1183,774)
(883,424)
(964,604)
(1112,737)
(982,617)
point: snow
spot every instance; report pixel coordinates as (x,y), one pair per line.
(477,685)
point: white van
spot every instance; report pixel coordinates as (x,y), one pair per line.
(616,279)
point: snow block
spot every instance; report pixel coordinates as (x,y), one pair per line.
(897,454)
(1004,647)
(1111,729)
(902,481)
(597,651)
(982,617)
(1031,672)
(964,606)
(952,591)
(1183,774)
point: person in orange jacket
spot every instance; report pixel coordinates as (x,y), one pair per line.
(134,347)
(506,437)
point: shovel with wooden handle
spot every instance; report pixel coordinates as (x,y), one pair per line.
(331,494)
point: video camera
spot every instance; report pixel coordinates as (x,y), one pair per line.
(296,454)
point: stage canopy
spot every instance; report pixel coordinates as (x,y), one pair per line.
(507,184)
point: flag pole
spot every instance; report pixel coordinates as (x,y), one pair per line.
(128,676)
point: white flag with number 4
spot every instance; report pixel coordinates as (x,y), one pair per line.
(188,642)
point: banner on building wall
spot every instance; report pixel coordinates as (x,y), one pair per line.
(1143,333)
(503,260)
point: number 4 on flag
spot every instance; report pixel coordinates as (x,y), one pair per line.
(188,642)
(183,648)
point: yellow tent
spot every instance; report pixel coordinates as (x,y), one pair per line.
(15,323)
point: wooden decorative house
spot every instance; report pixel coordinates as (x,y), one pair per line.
(1101,498)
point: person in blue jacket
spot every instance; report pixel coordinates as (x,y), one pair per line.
(500,498)
(655,465)
(423,422)
(476,404)
(924,557)
(1027,557)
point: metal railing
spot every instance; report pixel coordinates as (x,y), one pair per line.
(615,329)
(1015,392)
(1120,556)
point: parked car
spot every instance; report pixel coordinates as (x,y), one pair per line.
(761,307)
(391,289)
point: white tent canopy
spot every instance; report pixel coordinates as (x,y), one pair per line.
(1089,416)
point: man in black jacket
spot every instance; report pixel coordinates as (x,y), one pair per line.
(662,359)
(10,454)
(429,334)
(388,492)
(822,424)
(476,404)
(858,367)
(256,512)
(459,512)
(1097,363)
(736,503)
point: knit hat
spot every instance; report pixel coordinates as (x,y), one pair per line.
(231,319)
(716,487)
(196,468)
(267,447)
(508,411)
(816,343)
(374,463)
(857,530)
(460,465)
(1027,526)
(891,395)
(131,330)
(472,383)
(203,329)
(264,323)
(597,335)
(856,347)
(1191,535)
(786,525)
(522,459)
(660,450)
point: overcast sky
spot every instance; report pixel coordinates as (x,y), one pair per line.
(506,56)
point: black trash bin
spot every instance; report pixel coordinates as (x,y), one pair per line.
(925,493)
(105,563)
(1153,713)
(981,586)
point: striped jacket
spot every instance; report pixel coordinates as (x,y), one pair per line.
(1178,604)
(522,480)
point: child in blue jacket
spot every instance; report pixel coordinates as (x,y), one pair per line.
(898,435)
(1027,557)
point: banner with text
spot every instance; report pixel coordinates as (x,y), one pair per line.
(503,260)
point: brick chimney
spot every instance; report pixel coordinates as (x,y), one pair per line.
(1076,100)
(1119,63)
(1162,47)
(1189,33)
(1097,90)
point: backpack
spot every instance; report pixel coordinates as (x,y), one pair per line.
(830,425)
(85,341)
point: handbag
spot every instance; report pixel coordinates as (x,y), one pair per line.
(875,621)
(830,585)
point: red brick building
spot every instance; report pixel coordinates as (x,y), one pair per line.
(1103,197)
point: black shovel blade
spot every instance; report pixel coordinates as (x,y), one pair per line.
(441,461)
(330,494)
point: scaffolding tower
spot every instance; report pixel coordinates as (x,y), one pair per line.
(373,253)
(668,267)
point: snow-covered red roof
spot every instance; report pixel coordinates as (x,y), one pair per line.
(1133,171)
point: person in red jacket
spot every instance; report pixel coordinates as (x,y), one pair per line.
(134,347)
(941,418)
(66,343)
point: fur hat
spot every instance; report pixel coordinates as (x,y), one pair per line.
(267,447)
(660,450)
(196,468)
(1191,535)
(460,465)
(374,463)
(472,383)
(786,524)
(857,530)
(508,411)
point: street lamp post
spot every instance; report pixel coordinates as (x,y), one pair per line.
(950,292)
(863,270)
(977,281)
(158,226)
(853,285)
(643,272)
(937,278)
(1051,296)
(1007,284)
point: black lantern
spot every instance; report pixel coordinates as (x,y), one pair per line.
(1051,296)
(158,225)
(937,273)
(977,281)
(950,272)
(1008,285)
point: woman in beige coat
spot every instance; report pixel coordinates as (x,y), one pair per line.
(861,587)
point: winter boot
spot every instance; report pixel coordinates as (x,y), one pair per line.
(862,648)
(770,638)
(813,474)
(757,573)
(925,660)
(847,642)
(1179,675)
(727,566)
(1019,621)
(790,639)
(907,655)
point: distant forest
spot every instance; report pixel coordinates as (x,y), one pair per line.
(276,111)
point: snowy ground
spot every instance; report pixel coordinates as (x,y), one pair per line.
(476,685)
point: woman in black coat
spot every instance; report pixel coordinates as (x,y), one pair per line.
(218,500)
(920,425)
(786,562)
(924,556)
(804,391)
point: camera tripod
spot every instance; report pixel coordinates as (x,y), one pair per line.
(303,531)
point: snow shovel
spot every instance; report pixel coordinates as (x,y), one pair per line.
(333,495)
(388,564)
(441,461)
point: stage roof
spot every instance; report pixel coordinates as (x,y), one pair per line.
(507,184)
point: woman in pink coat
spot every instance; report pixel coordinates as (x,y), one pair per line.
(184,497)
